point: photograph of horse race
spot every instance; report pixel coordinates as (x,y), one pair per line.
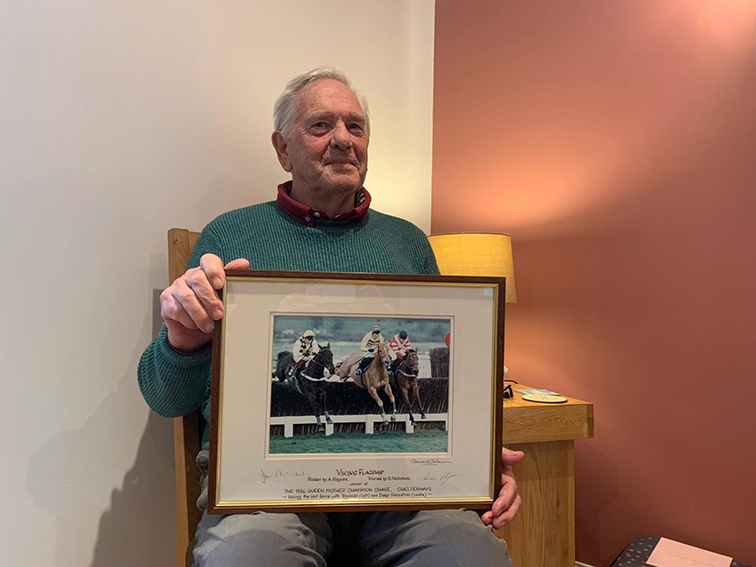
(359,384)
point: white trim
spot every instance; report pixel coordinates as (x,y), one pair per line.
(579,564)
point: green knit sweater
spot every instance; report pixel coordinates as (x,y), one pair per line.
(174,384)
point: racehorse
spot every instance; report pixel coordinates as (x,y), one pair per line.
(404,370)
(310,381)
(373,378)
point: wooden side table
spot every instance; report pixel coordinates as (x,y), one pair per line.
(543,533)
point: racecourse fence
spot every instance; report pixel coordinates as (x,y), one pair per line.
(368,421)
(353,410)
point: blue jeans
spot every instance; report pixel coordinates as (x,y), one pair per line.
(428,538)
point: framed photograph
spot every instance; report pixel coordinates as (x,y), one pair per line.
(350,392)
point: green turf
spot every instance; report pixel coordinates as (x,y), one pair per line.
(423,441)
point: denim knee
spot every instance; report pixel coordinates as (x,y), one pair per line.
(463,544)
(448,538)
(257,541)
(462,540)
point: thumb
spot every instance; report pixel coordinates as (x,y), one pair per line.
(238,264)
(509,457)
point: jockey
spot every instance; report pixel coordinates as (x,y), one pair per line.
(304,350)
(400,344)
(371,340)
(368,345)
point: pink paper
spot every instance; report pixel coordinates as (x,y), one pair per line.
(669,553)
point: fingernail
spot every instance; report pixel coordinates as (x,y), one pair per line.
(217,283)
(209,328)
(217,314)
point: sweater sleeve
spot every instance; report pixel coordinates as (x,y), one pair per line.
(171,383)
(430,266)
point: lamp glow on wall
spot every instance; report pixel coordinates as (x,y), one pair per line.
(476,254)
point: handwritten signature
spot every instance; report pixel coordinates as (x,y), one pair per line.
(444,478)
(431,461)
(278,473)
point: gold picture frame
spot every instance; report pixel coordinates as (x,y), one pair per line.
(272,448)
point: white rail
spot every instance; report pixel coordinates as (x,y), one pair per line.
(369,420)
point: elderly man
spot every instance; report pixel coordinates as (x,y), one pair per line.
(321,137)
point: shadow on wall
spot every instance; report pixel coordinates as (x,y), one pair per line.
(68,476)
(139,527)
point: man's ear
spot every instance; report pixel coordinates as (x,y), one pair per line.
(282,150)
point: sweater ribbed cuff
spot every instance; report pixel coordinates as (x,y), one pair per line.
(177,359)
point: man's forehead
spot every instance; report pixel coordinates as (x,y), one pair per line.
(320,114)
(328,96)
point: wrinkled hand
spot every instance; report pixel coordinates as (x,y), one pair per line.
(190,306)
(505,507)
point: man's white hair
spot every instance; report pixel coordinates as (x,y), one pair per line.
(285,108)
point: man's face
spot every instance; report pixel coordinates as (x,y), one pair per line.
(327,146)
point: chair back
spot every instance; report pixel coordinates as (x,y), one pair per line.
(186,439)
(186,429)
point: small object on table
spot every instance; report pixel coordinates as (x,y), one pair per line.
(537,391)
(544,398)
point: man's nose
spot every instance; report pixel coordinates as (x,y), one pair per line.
(341,138)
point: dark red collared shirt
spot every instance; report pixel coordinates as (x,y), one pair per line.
(308,216)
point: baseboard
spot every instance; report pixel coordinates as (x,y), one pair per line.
(579,564)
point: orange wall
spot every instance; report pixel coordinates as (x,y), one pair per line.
(616,142)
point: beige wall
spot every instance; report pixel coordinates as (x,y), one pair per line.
(119,121)
(615,142)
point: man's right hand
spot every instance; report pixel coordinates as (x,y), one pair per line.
(190,306)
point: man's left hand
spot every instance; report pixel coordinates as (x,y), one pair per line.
(505,507)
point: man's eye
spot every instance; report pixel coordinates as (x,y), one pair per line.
(357,130)
(319,125)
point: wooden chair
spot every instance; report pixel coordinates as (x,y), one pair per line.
(187,435)
(186,429)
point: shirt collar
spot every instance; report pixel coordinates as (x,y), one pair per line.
(308,215)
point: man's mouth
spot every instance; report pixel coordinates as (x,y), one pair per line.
(342,161)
